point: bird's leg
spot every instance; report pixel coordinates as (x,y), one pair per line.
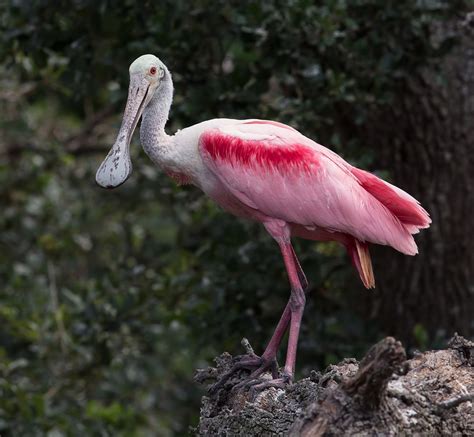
(292,313)
(302,277)
(251,361)
(269,356)
(296,306)
(292,316)
(274,343)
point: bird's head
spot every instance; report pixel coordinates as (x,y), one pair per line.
(146,75)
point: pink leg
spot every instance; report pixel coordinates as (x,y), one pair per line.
(301,275)
(296,305)
(280,330)
(292,316)
(259,365)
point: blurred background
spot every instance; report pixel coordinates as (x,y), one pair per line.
(110,299)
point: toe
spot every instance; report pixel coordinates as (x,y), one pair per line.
(241,362)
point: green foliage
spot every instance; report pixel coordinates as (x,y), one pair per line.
(421,336)
(110,300)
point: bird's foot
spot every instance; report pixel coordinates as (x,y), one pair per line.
(256,384)
(250,361)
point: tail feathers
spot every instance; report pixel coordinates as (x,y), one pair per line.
(360,256)
(406,208)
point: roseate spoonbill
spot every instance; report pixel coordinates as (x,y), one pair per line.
(269,172)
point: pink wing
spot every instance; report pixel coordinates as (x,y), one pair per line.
(271,167)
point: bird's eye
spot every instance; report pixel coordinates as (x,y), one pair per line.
(153,70)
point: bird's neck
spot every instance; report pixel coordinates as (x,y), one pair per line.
(153,137)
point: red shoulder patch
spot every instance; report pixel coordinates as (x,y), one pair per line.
(253,153)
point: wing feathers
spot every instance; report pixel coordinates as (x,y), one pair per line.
(288,177)
(406,208)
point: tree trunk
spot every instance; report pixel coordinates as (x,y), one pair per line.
(426,140)
(384,394)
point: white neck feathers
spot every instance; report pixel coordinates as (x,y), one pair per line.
(153,137)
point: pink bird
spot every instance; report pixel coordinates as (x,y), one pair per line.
(269,172)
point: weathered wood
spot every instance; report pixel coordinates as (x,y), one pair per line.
(385,394)
(368,386)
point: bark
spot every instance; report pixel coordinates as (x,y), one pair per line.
(384,394)
(426,140)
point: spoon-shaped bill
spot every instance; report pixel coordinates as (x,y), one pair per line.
(117,166)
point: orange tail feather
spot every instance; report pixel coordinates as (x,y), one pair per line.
(359,253)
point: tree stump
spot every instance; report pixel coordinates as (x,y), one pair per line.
(385,394)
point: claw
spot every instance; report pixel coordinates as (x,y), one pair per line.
(284,380)
(242,362)
(253,379)
(256,384)
(251,362)
(275,383)
(245,384)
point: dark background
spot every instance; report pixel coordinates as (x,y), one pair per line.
(110,300)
